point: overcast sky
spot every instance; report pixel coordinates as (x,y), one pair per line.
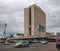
(12,13)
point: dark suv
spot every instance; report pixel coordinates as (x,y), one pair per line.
(58,44)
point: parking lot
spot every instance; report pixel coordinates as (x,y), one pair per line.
(32,47)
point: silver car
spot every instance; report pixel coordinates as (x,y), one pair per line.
(43,42)
(23,43)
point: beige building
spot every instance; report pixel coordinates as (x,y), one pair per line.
(34,21)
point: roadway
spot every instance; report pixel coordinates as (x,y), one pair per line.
(32,47)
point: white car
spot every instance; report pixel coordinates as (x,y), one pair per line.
(22,44)
(43,42)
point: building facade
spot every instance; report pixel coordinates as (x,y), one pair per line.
(34,21)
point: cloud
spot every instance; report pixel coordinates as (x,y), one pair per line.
(12,13)
(52,10)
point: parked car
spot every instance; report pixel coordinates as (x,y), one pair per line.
(34,41)
(43,42)
(23,43)
(58,44)
(30,41)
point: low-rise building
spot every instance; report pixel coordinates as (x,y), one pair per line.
(18,35)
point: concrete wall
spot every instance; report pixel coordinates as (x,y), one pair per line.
(26,22)
(38,17)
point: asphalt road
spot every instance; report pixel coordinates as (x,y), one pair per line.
(32,47)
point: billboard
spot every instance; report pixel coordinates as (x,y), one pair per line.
(40,27)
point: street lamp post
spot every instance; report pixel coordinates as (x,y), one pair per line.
(5,30)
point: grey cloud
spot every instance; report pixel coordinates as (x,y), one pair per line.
(55,2)
(12,13)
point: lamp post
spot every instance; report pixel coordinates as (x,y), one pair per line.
(4,33)
(5,30)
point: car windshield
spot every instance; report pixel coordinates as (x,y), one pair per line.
(23,41)
(19,41)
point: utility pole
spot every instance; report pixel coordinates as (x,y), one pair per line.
(5,30)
